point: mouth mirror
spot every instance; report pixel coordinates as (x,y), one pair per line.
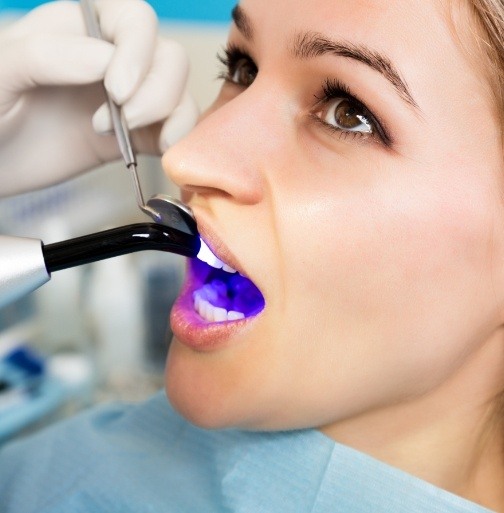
(171,212)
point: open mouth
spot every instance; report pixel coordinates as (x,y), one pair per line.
(222,294)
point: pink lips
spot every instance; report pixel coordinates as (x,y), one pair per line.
(187,326)
(191,330)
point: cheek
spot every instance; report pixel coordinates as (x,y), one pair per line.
(397,268)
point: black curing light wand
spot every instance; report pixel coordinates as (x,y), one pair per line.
(117,242)
(26,264)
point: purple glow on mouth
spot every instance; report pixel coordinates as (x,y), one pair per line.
(230,291)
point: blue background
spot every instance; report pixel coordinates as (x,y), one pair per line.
(182,10)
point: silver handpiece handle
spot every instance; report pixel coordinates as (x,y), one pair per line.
(22,267)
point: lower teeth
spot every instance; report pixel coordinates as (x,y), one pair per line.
(214,313)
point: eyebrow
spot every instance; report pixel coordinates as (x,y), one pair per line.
(242,21)
(309,45)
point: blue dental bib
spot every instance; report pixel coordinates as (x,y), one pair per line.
(145,458)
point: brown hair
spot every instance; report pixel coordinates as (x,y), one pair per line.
(490,17)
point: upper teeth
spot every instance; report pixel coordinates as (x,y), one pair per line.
(205,254)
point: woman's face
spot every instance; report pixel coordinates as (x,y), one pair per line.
(351,169)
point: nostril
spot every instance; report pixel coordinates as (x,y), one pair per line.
(201,190)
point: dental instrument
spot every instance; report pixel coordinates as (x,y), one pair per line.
(163,209)
(26,264)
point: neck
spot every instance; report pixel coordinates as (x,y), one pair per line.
(449,436)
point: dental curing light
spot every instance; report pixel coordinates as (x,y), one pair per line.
(26,264)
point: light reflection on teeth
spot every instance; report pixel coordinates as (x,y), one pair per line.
(214,313)
(235,316)
(205,254)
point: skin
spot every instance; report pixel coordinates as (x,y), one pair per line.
(382,267)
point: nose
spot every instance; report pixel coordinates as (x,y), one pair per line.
(226,153)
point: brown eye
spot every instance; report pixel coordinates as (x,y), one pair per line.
(347,115)
(243,73)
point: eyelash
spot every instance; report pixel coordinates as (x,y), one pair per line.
(331,90)
(231,57)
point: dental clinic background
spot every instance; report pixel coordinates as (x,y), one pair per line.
(99,332)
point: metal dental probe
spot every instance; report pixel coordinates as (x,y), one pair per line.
(118,122)
(163,209)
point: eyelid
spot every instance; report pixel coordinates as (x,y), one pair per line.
(232,55)
(333,88)
(343,134)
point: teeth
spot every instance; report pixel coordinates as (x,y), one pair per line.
(235,316)
(205,254)
(213,313)
(219,314)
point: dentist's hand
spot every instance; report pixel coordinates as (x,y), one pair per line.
(51,97)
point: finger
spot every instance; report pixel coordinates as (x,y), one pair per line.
(62,17)
(154,139)
(180,123)
(50,60)
(131,25)
(158,95)
(45,59)
(102,121)
(162,89)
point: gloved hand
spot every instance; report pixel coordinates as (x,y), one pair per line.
(51,77)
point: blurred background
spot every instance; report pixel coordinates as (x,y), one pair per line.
(100,332)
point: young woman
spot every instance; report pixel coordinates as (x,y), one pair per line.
(352,170)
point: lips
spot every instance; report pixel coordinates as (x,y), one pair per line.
(217,298)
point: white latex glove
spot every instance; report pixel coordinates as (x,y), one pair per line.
(51,77)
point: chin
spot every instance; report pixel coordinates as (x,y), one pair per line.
(200,417)
(215,394)
(203,411)
(195,392)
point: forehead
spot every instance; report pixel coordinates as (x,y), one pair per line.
(398,27)
(360,16)
(426,40)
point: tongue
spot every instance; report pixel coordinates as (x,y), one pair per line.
(247,298)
